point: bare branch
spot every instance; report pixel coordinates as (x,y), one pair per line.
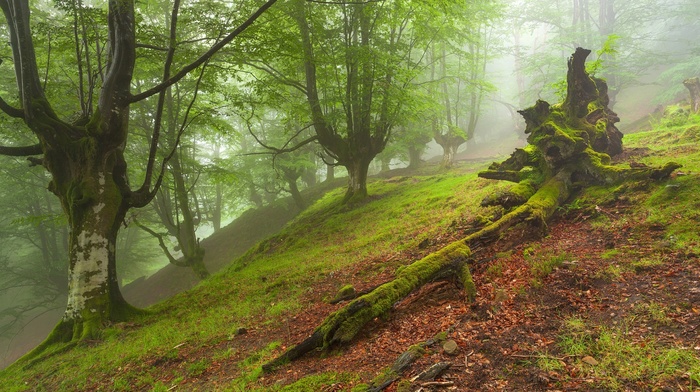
(10,110)
(206,56)
(161,242)
(21,151)
(155,139)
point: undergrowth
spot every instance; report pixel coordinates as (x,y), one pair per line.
(265,286)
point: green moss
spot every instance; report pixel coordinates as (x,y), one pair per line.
(346,291)
(403,386)
(440,336)
(467,282)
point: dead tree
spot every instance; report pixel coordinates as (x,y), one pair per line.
(569,143)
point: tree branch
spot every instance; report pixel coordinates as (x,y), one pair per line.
(278,76)
(161,242)
(203,58)
(11,111)
(21,151)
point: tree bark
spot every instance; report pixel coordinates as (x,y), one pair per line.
(357,183)
(450,144)
(693,86)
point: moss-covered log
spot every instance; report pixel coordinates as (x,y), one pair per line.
(449,262)
(344,324)
(569,146)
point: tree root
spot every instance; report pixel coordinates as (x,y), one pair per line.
(451,261)
(569,147)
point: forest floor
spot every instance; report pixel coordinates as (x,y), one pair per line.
(608,299)
(616,296)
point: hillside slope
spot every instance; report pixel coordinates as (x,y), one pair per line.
(608,301)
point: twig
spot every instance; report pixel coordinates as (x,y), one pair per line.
(437,384)
(466,360)
(541,356)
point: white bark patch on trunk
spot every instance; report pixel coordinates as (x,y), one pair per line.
(96,209)
(89,274)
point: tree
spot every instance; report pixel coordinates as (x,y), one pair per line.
(559,27)
(85,156)
(359,61)
(569,144)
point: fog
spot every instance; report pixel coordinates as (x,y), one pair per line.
(250,141)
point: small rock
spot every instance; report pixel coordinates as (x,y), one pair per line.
(589,360)
(240,331)
(450,347)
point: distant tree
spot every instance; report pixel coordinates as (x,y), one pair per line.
(461,82)
(559,26)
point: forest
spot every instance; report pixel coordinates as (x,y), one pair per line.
(337,195)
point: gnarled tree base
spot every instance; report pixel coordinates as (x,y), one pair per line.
(68,333)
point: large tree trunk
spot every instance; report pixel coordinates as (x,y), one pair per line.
(450,144)
(357,182)
(92,200)
(414,156)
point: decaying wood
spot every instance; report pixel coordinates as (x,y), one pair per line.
(432,372)
(569,147)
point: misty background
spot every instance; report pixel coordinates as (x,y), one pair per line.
(514,54)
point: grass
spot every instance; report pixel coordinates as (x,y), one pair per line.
(264,286)
(542,264)
(622,360)
(674,204)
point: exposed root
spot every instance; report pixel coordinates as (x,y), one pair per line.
(570,147)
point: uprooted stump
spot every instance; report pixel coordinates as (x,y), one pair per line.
(573,141)
(570,145)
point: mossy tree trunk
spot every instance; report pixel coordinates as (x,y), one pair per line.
(569,144)
(95,207)
(450,144)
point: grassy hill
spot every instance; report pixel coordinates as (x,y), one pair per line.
(608,300)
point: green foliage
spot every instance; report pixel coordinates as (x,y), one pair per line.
(609,49)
